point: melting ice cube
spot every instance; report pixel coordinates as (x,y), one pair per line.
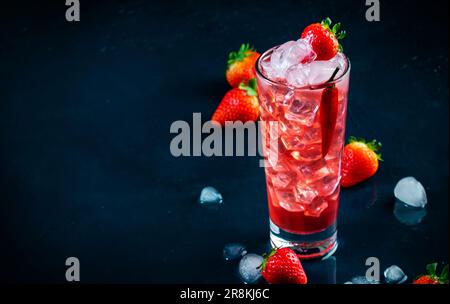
(210,195)
(411,192)
(394,275)
(362,280)
(250,268)
(234,251)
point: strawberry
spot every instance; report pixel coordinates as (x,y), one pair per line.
(323,39)
(241,65)
(359,161)
(282,266)
(328,109)
(238,104)
(426,279)
(431,277)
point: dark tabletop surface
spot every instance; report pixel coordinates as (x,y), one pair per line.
(85,111)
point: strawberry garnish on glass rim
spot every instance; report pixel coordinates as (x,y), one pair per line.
(324,38)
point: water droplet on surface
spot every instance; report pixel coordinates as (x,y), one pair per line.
(234,251)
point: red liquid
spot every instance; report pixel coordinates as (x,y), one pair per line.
(302,185)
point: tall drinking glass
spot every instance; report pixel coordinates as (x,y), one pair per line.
(302,171)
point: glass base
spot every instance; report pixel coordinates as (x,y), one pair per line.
(320,245)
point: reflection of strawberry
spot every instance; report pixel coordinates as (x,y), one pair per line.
(238,104)
(241,65)
(282,266)
(323,39)
(359,161)
(431,277)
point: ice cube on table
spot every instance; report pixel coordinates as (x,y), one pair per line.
(234,251)
(394,275)
(210,195)
(250,268)
(363,280)
(287,55)
(411,192)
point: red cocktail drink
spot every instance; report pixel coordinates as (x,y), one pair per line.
(308,102)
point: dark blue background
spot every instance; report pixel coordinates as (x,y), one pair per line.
(85,111)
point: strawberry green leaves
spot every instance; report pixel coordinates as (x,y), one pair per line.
(250,87)
(443,278)
(431,269)
(240,55)
(266,257)
(335,29)
(373,145)
(432,277)
(326,22)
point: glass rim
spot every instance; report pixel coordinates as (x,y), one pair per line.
(307,87)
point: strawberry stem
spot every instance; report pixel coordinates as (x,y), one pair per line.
(432,274)
(241,54)
(431,269)
(335,30)
(443,278)
(266,257)
(373,145)
(250,87)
